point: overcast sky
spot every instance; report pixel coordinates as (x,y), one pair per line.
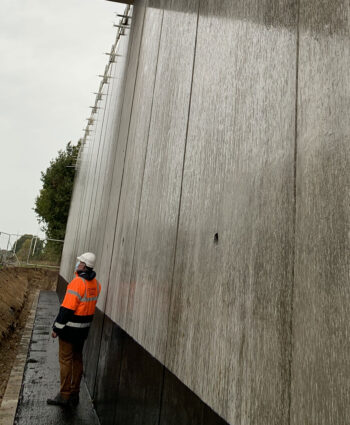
(51,53)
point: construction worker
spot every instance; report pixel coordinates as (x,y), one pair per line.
(72,326)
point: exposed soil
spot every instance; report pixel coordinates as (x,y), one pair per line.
(17,288)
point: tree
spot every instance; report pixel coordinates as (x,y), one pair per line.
(23,251)
(27,243)
(21,241)
(52,204)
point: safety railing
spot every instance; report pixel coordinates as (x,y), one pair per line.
(29,250)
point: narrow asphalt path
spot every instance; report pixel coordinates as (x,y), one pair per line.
(41,376)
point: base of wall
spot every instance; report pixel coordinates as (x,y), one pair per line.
(131,387)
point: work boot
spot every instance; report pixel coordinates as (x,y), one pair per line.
(59,400)
(73,399)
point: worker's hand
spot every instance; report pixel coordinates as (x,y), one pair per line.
(54,335)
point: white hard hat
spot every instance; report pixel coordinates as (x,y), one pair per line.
(88,258)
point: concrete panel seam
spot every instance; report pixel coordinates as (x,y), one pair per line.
(161,396)
(182,177)
(119,374)
(145,157)
(132,104)
(115,225)
(295,210)
(101,143)
(94,410)
(126,148)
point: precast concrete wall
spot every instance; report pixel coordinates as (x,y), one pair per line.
(213,186)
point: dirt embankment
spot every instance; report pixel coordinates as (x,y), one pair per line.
(17,288)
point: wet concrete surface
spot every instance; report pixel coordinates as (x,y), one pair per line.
(131,387)
(41,376)
(226,238)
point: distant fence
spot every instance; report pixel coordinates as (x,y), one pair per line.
(29,250)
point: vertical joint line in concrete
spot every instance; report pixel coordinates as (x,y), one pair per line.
(161,396)
(146,151)
(120,190)
(126,145)
(119,375)
(182,179)
(100,140)
(295,208)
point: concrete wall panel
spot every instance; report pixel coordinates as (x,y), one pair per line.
(136,148)
(92,198)
(113,123)
(321,362)
(229,335)
(72,236)
(96,231)
(71,229)
(119,80)
(151,279)
(90,183)
(105,141)
(107,379)
(114,103)
(118,159)
(215,191)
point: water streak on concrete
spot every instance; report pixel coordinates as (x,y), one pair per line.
(218,204)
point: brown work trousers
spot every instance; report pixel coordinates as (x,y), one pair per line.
(71,367)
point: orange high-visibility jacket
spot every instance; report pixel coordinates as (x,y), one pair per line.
(78,308)
(81,296)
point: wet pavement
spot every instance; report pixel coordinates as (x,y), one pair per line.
(41,376)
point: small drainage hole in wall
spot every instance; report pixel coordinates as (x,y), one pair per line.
(216,238)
